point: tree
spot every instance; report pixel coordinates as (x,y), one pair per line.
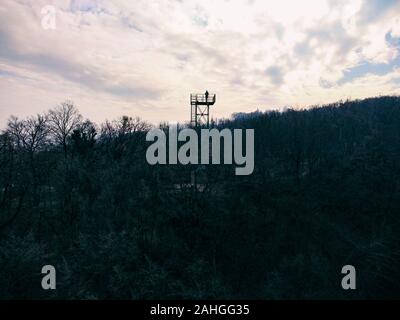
(84,137)
(124,134)
(63,120)
(124,126)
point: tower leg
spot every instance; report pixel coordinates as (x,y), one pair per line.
(208,115)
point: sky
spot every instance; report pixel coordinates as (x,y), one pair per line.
(144,58)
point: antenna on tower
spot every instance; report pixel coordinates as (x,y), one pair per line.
(200,108)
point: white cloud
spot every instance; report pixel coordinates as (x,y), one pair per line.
(146,57)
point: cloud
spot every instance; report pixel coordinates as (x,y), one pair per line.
(375,9)
(66,62)
(146,57)
(366,68)
(275,74)
(392,39)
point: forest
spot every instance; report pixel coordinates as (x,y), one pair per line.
(324,193)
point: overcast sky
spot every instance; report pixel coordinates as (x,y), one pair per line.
(142,57)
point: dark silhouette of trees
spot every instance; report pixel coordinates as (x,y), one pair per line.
(63,120)
(324,193)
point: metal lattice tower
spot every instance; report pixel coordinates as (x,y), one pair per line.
(200,109)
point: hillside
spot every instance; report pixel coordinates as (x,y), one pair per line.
(325,192)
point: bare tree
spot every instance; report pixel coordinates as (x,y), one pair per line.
(30,134)
(36,133)
(124,126)
(28,137)
(15,130)
(63,120)
(123,134)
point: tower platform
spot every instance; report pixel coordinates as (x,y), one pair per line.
(200,109)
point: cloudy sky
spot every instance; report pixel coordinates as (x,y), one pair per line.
(145,57)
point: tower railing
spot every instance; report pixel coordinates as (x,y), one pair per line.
(201,99)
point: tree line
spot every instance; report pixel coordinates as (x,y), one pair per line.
(324,193)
